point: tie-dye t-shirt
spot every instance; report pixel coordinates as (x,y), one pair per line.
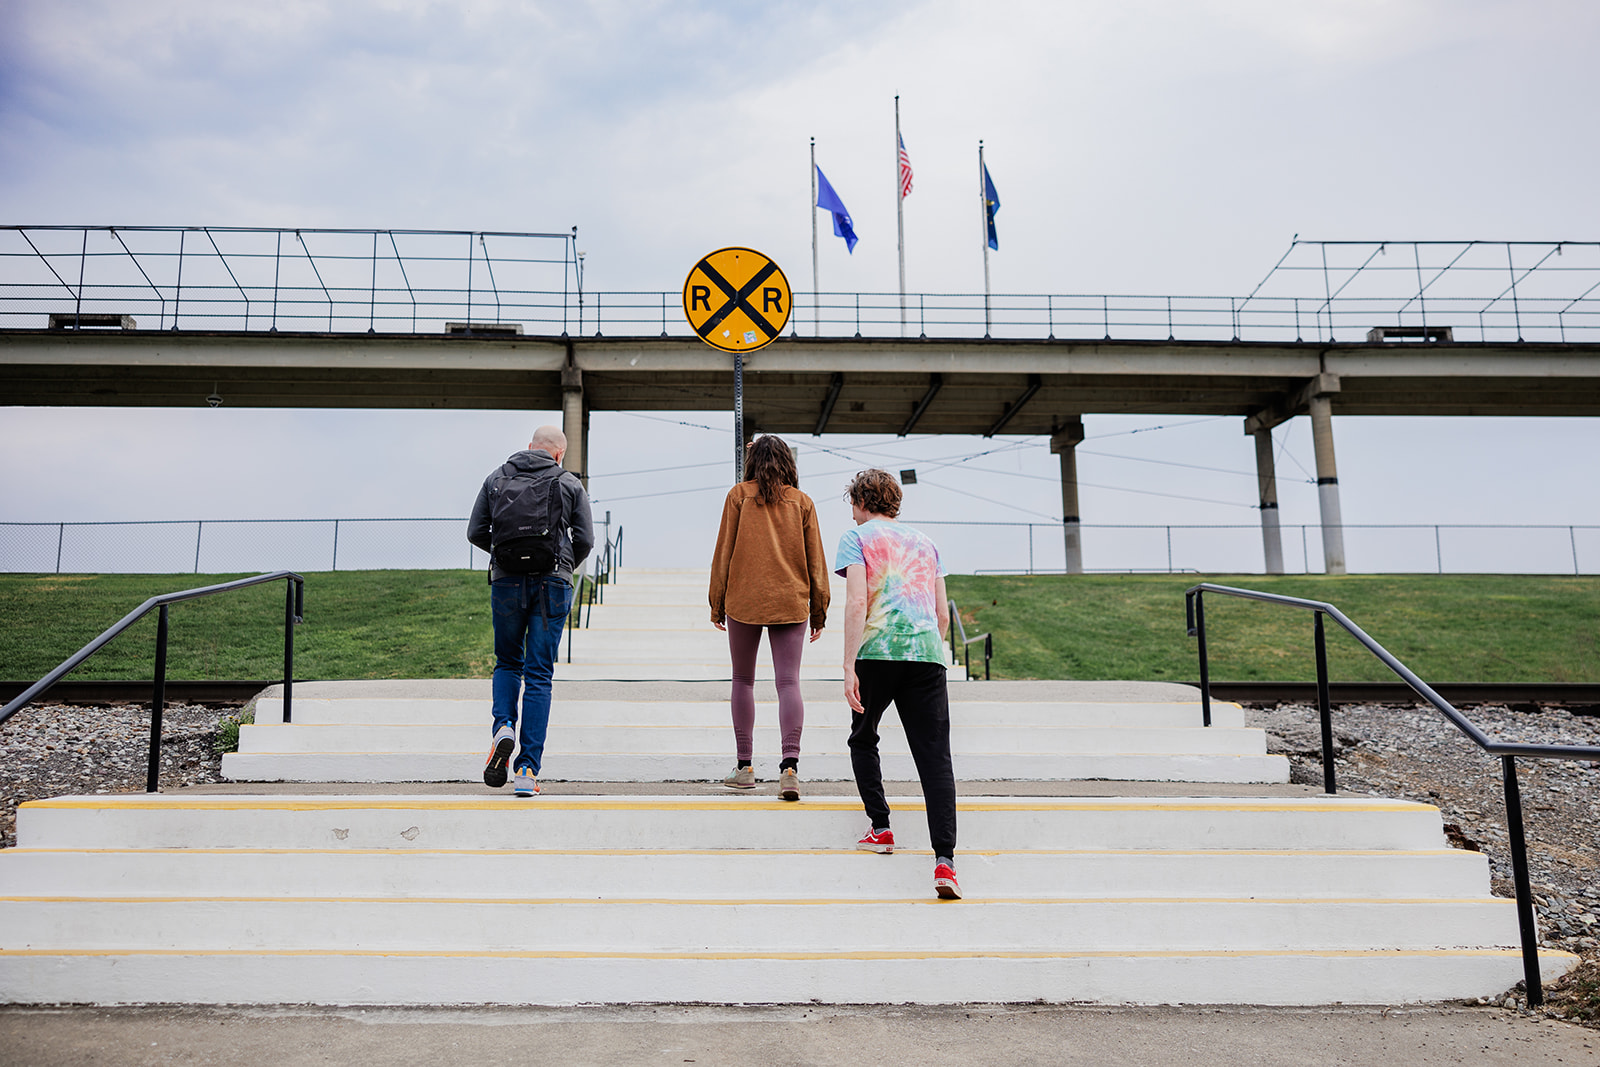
(903,569)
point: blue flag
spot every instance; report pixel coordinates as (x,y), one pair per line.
(828,200)
(991,205)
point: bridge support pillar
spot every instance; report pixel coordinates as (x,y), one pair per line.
(1267,481)
(1321,408)
(1064,442)
(575,423)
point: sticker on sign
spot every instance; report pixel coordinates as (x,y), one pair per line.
(737,300)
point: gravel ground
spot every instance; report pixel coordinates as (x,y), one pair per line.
(1393,751)
(51,749)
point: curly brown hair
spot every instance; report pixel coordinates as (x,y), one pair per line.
(769,463)
(875,491)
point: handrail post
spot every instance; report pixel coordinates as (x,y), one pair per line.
(288,649)
(575,613)
(952,610)
(1519,875)
(158,700)
(1205,666)
(1324,706)
(988,654)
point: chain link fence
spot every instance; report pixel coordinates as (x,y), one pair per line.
(1433,548)
(229,546)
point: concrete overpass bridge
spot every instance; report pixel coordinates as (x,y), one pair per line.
(430,319)
(802,385)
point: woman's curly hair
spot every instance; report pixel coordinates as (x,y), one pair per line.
(875,491)
(769,463)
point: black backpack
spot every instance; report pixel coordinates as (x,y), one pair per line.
(525,517)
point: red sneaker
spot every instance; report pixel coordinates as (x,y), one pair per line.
(881,841)
(944,882)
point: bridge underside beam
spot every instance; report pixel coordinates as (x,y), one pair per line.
(883,386)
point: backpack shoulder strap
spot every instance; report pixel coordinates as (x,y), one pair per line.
(555,509)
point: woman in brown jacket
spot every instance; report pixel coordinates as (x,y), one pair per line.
(769,570)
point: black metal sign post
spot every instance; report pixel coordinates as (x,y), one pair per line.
(738,417)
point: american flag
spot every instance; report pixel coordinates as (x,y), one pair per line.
(905,170)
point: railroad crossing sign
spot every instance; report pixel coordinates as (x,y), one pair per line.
(737,300)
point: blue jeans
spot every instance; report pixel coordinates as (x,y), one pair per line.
(529,612)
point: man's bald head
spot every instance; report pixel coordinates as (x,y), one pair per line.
(549,439)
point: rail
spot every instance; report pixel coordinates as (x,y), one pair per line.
(966,643)
(1194,604)
(293,613)
(500,284)
(590,588)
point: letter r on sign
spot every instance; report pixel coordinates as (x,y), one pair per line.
(700,296)
(772,300)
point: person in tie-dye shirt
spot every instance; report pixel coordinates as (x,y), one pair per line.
(895,613)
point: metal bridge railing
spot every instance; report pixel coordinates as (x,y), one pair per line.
(434,282)
(1507,752)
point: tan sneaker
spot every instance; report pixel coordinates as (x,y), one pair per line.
(741,778)
(789,784)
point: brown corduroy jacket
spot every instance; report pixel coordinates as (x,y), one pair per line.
(769,567)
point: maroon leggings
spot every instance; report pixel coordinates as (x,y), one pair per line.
(787,641)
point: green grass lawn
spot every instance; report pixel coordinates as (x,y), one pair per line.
(435,624)
(358,624)
(1455,628)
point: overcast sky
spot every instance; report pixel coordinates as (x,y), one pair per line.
(1139,147)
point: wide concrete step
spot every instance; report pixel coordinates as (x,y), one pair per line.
(324,711)
(746,874)
(822,924)
(819,738)
(838,976)
(705,767)
(499,821)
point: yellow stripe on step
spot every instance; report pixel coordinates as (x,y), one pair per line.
(908,954)
(749,902)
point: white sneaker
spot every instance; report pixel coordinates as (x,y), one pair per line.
(526,783)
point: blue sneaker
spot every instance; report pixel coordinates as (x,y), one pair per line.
(526,783)
(494,771)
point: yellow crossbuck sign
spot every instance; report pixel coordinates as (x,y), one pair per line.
(736,299)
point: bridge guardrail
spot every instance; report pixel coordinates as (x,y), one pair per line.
(505,284)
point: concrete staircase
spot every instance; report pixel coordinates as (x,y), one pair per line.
(192,898)
(1282,897)
(366,732)
(657,624)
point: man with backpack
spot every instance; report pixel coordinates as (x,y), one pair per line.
(532,517)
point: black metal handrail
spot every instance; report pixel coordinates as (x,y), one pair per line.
(293,613)
(590,588)
(1507,751)
(966,642)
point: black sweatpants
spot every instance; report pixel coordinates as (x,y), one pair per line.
(919,695)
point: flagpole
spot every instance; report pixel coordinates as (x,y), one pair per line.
(900,215)
(816,324)
(983,208)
